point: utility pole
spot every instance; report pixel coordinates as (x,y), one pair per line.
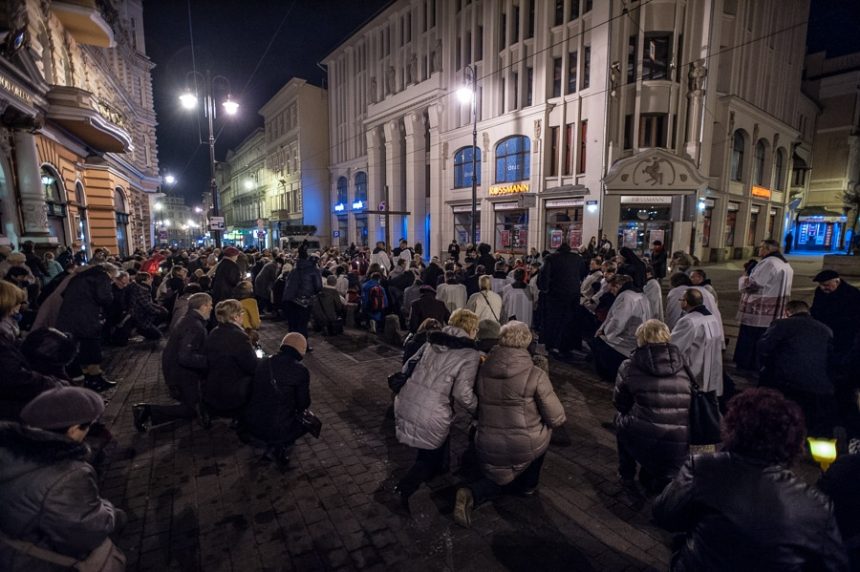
(386,212)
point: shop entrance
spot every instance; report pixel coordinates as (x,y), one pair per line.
(817,235)
(642,224)
(512,230)
(563,225)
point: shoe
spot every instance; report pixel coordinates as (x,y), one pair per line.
(141,413)
(531,491)
(98,383)
(309,350)
(403,498)
(463,507)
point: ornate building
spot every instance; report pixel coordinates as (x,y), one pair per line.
(77,130)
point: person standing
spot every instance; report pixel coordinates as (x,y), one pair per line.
(454,251)
(303,283)
(836,304)
(559,281)
(659,258)
(517,301)
(227,275)
(764,294)
(699,337)
(183,363)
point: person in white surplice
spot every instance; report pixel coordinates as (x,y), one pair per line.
(615,340)
(698,334)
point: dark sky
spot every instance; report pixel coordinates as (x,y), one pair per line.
(230,37)
(834,26)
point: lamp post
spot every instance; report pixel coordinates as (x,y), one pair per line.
(189,101)
(469,94)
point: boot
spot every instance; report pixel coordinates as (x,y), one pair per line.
(142,414)
(98,382)
(463,507)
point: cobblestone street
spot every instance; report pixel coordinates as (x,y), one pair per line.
(201,499)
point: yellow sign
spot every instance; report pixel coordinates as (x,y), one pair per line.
(514,189)
(762,192)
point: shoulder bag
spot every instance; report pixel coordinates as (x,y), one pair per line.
(490,306)
(704,414)
(398,379)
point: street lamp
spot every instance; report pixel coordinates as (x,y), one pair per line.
(170,179)
(188,100)
(469,94)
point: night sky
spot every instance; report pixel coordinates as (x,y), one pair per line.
(231,36)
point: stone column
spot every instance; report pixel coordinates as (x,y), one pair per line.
(34,211)
(375,182)
(394,178)
(415,180)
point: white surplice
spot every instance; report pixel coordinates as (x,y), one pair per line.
(765,292)
(517,304)
(673,306)
(654,294)
(629,310)
(700,339)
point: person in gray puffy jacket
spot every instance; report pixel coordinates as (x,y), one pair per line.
(423,411)
(517,411)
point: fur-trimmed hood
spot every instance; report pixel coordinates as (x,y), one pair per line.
(24,449)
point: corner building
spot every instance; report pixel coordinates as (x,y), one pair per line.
(669,119)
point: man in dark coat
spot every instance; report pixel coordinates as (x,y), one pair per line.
(796,357)
(559,281)
(431,274)
(485,258)
(85,299)
(145,313)
(264,281)
(20,383)
(659,257)
(227,275)
(303,283)
(231,361)
(183,363)
(279,394)
(427,306)
(836,304)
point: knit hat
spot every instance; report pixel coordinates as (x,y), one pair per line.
(231,251)
(296,341)
(488,330)
(62,408)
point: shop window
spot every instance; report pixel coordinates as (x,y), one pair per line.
(55,204)
(463,225)
(586,67)
(512,231)
(753,228)
(553,150)
(758,170)
(556,77)
(121,212)
(341,191)
(571,72)
(464,169)
(779,181)
(652,130)
(771,223)
(361,186)
(738,149)
(512,159)
(658,53)
(731,221)
(707,219)
(642,224)
(583,138)
(563,225)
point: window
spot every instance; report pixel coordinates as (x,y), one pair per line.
(503,24)
(798,175)
(553,151)
(631,59)
(780,170)
(468,46)
(503,100)
(655,60)
(479,44)
(568,149)
(361,186)
(341,191)
(512,159)
(463,168)
(583,137)
(515,83)
(758,171)
(737,166)
(121,211)
(571,72)
(530,30)
(652,130)
(589,4)
(586,67)
(559,13)
(458,61)
(628,131)
(530,76)
(515,25)
(556,77)
(574,9)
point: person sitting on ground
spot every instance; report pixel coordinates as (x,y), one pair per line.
(486,303)
(49,490)
(329,308)
(517,411)
(744,505)
(427,306)
(184,364)
(652,396)
(452,293)
(232,362)
(280,393)
(444,374)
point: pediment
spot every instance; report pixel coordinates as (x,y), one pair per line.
(654,170)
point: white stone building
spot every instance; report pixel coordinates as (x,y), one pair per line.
(671,119)
(244,184)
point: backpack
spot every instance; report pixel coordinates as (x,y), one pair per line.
(376,299)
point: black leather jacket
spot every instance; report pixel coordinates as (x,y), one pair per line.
(740,513)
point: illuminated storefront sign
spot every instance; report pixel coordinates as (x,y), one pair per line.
(762,192)
(513,189)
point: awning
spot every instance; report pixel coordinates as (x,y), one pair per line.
(84,21)
(95,122)
(819,214)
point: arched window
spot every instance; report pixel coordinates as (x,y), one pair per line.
(56,204)
(779,181)
(738,148)
(121,210)
(463,167)
(512,159)
(341,190)
(758,171)
(361,186)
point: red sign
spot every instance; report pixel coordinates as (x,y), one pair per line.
(505,236)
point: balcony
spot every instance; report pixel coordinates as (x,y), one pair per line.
(84,21)
(95,122)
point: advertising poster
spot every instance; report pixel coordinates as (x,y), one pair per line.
(575,239)
(629,239)
(555,238)
(505,238)
(516,240)
(656,235)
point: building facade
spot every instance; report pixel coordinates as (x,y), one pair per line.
(674,120)
(77,131)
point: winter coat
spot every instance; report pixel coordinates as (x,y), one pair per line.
(227,275)
(279,393)
(561,274)
(431,274)
(50,497)
(265,280)
(839,311)
(19,383)
(446,372)
(303,283)
(183,360)
(143,310)
(517,410)
(328,306)
(84,301)
(427,306)
(232,363)
(251,317)
(659,258)
(652,396)
(740,513)
(795,353)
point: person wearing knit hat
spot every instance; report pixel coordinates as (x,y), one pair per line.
(48,490)
(279,395)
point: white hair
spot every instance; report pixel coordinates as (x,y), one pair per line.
(515,334)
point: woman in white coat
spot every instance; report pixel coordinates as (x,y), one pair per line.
(616,338)
(486,303)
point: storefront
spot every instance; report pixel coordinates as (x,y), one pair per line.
(818,230)
(731,222)
(361,231)
(706,206)
(512,228)
(342,229)
(463,223)
(563,223)
(644,219)
(752,228)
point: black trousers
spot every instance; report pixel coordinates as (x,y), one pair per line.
(818,410)
(428,463)
(561,329)
(485,490)
(746,349)
(606,359)
(187,395)
(298,317)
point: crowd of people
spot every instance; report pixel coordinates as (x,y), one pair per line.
(478,331)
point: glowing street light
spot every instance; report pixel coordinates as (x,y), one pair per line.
(169,179)
(188,100)
(230,106)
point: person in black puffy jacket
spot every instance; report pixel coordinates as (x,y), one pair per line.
(303,283)
(743,508)
(232,362)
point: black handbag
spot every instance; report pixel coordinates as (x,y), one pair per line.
(704,415)
(311,423)
(398,379)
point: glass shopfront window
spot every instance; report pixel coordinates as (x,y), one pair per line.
(707,221)
(771,223)
(361,230)
(463,224)
(731,222)
(512,229)
(817,235)
(343,231)
(643,221)
(563,224)
(753,226)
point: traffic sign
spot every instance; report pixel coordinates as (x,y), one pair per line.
(336,234)
(216,223)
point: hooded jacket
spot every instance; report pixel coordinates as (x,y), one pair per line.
(85,299)
(446,372)
(652,396)
(517,410)
(50,497)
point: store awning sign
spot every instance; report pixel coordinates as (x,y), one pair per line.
(512,189)
(762,192)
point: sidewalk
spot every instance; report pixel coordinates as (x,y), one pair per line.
(200,500)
